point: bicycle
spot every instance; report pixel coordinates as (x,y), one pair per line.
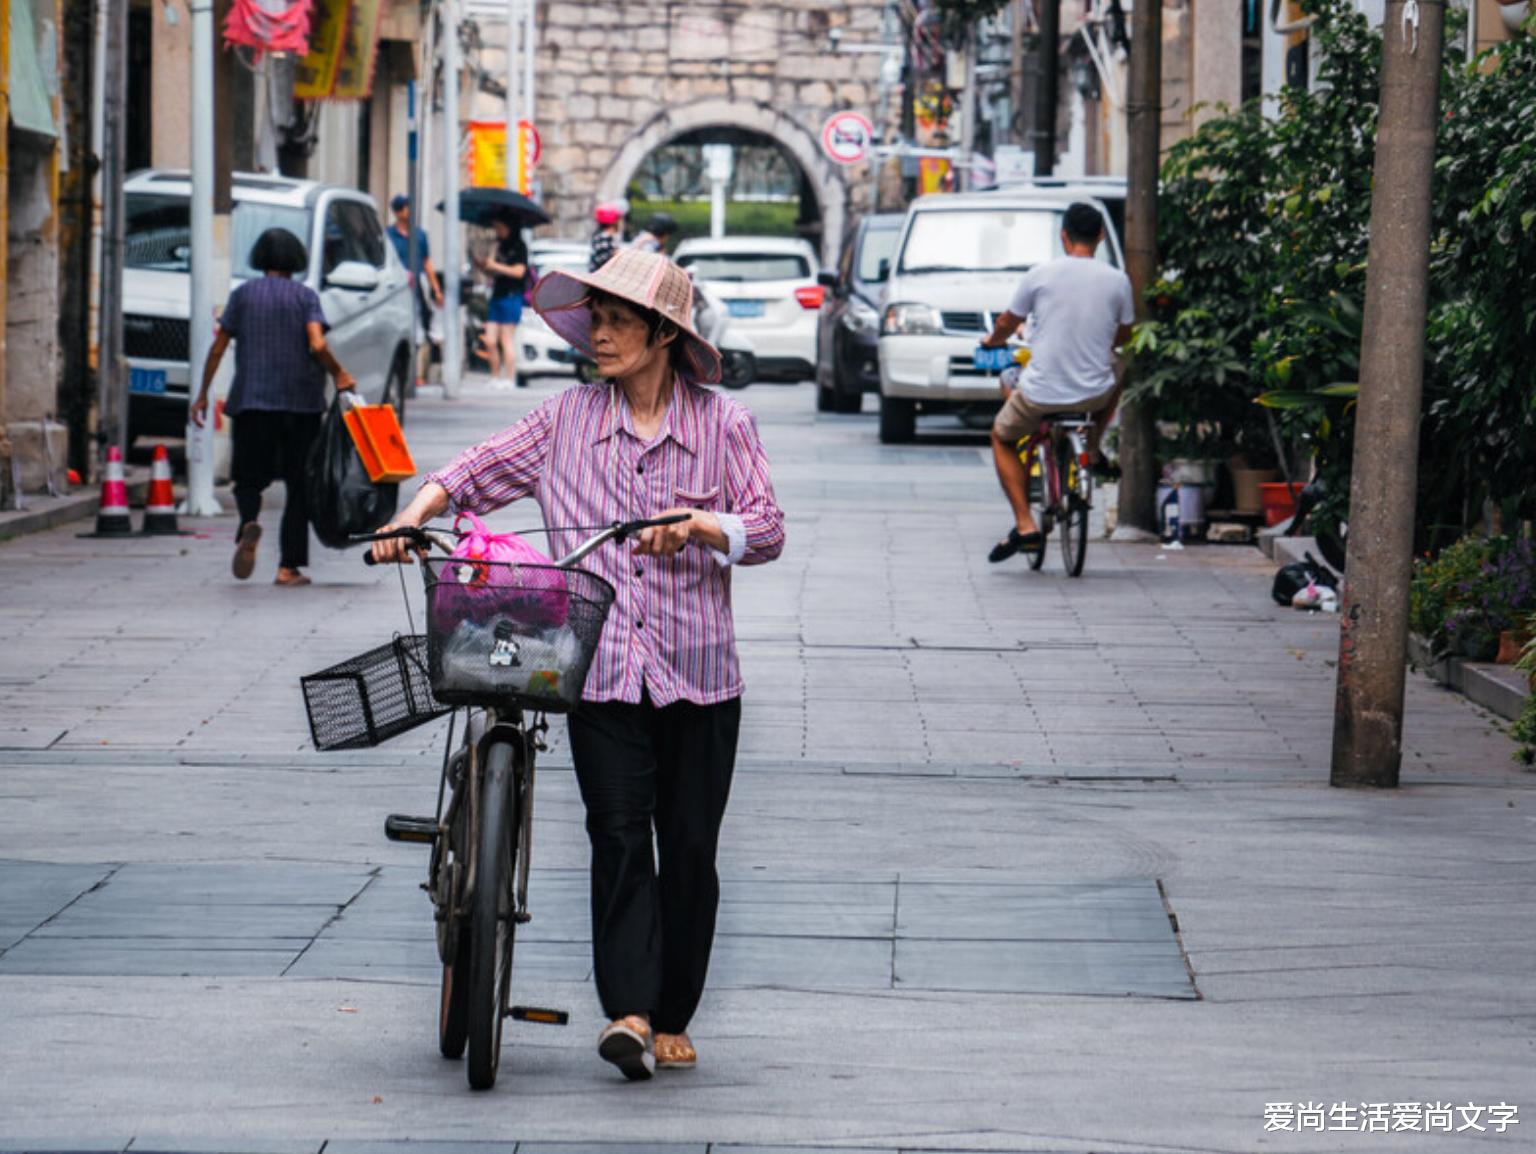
(509,644)
(1056,458)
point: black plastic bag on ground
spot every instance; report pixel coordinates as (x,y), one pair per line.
(1293,578)
(343,502)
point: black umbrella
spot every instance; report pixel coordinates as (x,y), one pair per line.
(481,205)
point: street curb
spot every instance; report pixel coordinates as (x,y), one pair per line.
(51,512)
(1500,689)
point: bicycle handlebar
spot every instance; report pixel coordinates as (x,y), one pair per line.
(424,539)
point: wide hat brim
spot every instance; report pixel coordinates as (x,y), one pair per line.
(646,280)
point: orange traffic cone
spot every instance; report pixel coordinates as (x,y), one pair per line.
(160,506)
(112,518)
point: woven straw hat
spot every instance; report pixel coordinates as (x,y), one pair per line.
(646,279)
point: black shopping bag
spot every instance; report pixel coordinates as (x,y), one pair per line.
(343,502)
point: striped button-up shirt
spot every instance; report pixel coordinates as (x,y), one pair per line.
(670,630)
(274,369)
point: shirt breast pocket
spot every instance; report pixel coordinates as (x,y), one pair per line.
(705,500)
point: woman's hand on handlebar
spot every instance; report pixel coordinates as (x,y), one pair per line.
(666,540)
(396,550)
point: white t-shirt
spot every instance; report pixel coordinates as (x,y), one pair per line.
(1075,304)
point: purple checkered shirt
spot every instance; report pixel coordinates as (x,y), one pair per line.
(670,630)
(274,369)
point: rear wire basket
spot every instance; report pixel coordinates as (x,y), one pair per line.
(372,697)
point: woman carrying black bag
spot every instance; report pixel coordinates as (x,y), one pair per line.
(278,395)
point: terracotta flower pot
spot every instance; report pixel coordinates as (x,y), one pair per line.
(1512,643)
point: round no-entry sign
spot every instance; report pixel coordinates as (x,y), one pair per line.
(847,137)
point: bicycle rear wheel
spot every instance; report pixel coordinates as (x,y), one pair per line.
(491,922)
(1076,500)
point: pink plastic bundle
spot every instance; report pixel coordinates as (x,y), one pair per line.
(501,574)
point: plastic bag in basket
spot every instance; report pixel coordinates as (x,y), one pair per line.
(488,566)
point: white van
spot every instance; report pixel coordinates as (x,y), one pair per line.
(957,265)
(362,285)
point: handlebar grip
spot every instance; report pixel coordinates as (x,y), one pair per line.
(368,559)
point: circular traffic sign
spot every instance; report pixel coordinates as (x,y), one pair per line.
(847,137)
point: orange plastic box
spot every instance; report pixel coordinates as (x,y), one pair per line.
(380,442)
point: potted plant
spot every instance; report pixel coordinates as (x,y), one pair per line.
(1477,589)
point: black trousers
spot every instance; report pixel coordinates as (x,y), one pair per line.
(643,768)
(274,446)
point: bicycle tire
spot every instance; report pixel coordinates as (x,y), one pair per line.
(1075,506)
(492,926)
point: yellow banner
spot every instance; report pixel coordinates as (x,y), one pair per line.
(316,73)
(485,162)
(354,71)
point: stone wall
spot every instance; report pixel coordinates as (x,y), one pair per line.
(617,79)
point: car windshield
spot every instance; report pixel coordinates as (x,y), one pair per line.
(744,267)
(878,245)
(984,240)
(159,231)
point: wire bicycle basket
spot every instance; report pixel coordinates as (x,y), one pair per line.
(512,633)
(372,697)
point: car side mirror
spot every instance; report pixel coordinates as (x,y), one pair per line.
(353,276)
(827,279)
(883,271)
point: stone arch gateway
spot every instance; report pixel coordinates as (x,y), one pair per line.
(826,178)
(618,78)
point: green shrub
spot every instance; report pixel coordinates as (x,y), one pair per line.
(1524,730)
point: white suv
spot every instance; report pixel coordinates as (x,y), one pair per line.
(769,288)
(957,265)
(363,287)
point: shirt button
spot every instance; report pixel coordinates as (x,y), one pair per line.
(640,469)
(639,572)
(640,623)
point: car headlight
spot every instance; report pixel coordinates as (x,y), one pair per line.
(904,319)
(860,318)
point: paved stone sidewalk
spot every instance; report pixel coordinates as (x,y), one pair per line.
(970,797)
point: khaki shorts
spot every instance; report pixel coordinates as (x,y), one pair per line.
(1020,416)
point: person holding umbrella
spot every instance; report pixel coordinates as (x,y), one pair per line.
(507,267)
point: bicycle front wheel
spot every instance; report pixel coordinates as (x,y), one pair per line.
(491,915)
(1039,501)
(1076,501)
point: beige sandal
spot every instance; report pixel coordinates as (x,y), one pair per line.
(626,1042)
(675,1052)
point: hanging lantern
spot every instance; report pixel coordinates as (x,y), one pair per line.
(1514,13)
(269,25)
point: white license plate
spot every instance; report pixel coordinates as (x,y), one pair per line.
(150,381)
(744,308)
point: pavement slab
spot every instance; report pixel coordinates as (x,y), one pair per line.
(1013,862)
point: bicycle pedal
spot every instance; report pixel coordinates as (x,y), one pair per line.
(537,1014)
(399,827)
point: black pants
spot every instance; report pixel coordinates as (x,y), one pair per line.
(639,767)
(274,446)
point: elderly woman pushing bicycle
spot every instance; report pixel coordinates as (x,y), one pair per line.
(654,738)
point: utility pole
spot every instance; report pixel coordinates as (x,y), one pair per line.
(453,240)
(530,39)
(514,102)
(1046,84)
(968,110)
(111,369)
(1138,437)
(412,242)
(1373,633)
(1016,71)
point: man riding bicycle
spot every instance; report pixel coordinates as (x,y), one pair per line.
(1081,309)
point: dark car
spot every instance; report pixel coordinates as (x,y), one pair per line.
(848,351)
